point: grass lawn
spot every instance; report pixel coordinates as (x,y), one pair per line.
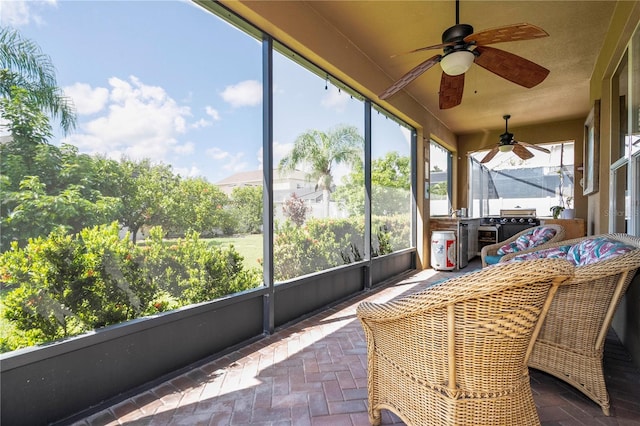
(249,247)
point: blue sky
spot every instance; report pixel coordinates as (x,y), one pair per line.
(169,81)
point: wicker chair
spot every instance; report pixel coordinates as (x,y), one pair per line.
(456,353)
(491,250)
(570,345)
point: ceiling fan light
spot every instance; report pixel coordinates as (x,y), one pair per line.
(458,62)
(505,148)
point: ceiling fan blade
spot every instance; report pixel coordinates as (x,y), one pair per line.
(451,88)
(521,151)
(410,76)
(420,49)
(490,155)
(513,32)
(511,67)
(539,148)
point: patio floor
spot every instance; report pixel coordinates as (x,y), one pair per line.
(314,373)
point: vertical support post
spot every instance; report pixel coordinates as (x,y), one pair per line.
(268,322)
(414,193)
(367,198)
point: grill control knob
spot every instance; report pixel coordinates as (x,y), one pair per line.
(521,220)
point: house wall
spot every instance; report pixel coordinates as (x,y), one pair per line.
(624,22)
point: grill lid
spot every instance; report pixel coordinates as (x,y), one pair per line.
(518,212)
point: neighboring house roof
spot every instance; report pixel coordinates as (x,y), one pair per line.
(298,184)
(255,177)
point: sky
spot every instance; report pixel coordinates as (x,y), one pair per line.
(169,81)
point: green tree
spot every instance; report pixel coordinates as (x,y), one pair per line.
(198,205)
(36,213)
(438,190)
(145,191)
(248,208)
(321,151)
(43,186)
(390,184)
(24,65)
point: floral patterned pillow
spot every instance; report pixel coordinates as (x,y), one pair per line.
(533,238)
(550,253)
(597,249)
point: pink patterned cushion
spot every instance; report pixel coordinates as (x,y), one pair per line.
(533,238)
(550,253)
(596,249)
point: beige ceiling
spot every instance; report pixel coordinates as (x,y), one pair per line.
(378,29)
(576,33)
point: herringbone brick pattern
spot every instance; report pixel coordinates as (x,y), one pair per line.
(314,373)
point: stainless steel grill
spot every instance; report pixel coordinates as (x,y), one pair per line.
(511,222)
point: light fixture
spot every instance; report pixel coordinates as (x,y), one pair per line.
(457,62)
(505,148)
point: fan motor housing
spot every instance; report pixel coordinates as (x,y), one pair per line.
(506,138)
(457,33)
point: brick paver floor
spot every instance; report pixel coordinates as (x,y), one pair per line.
(314,373)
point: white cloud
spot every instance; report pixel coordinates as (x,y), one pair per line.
(280,150)
(212,112)
(335,99)
(217,154)
(86,99)
(406,133)
(141,121)
(17,13)
(231,162)
(188,172)
(184,149)
(245,93)
(201,123)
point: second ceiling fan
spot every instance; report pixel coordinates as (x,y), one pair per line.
(508,143)
(462,47)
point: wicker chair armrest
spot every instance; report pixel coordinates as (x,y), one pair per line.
(467,286)
(491,249)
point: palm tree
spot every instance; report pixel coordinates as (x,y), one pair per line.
(23,65)
(321,151)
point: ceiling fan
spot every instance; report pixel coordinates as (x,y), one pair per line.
(462,47)
(508,143)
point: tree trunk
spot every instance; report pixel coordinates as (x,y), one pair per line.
(325,200)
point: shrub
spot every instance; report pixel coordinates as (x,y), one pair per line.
(191,271)
(74,283)
(64,285)
(295,209)
(319,244)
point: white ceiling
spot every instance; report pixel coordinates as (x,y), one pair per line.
(380,29)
